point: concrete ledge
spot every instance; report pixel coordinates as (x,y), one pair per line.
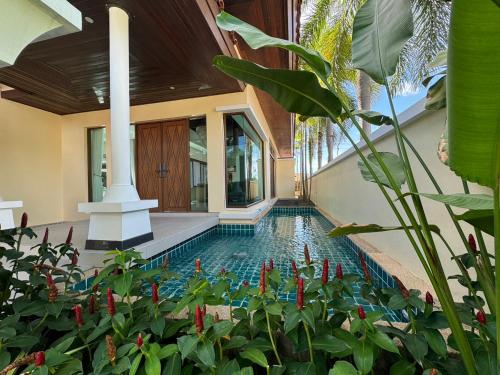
(113,207)
(249,215)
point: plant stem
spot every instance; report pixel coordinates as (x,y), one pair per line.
(496,215)
(220,350)
(326,307)
(271,335)
(311,352)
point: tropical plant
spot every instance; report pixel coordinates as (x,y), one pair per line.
(381,30)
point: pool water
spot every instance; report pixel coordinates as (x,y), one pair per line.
(280,236)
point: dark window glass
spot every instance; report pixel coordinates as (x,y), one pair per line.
(198,164)
(96,163)
(244,168)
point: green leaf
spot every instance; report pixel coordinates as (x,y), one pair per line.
(307,316)
(297,91)
(158,325)
(122,284)
(394,165)
(397,302)
(403,367)
(135,364)
(206,353)
(257,39)
(21,341)
(469,201)
(481,219)
(167,351)
(186,345)
(354,228)
(380,30)
(152,365)
(417,346)
(329,344)
(274,308)
(173,366)
(436,342)
(374,118)
(256,356)
(124,365)
(473,80)
(363,356)
(382,340)
(343,368)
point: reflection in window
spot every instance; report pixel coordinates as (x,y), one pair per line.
(244,169)
(198,164)
(97,163)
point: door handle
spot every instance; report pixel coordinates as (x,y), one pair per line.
(162,170)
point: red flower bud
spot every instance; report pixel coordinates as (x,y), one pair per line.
(481,317)
(429,299)
(139,340)
(223,271)
(78,315)
(154,293)
(246,283)
(271,264)
(92,304)
(197,265)
(295,271)
(70,236)
(96,286)
(404,292)
(339,272)
(204,311)
(433,372)
(111,302)
(50,281)
(361,312)
(74,259)
(24,220)
(472,243)
(53,292)
(45,237)
(324,275)
(307,257)
(198,319)
(262,281)
(300,294)
(364,267)
(39,359)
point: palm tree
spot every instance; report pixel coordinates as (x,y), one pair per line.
(328,28)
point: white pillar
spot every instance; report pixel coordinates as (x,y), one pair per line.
(121,221)
(121,189)
(7,213)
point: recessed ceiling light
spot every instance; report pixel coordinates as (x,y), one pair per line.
(172,87)
(89,20)
(204,86)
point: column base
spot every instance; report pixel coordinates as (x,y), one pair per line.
(7,213)
(118,225)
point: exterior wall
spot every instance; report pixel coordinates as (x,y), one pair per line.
(339,189)
(74,144)
(285,178)
(31,165)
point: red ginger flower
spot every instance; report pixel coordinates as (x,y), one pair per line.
(404,292)
(339,272)
(429,299)
(198,319)
(246,283)
(300,294)
(70,236)
(361,312)
(197,265)
(139,340)
(216,317)
(45,237)
(92,304)
(111,302)
(481,317)
(433,372)
(24,220)
(307,257)
(154,293)
(324,276)
(96,286)
(39,359)
(78,315)
(364,267)
(74,259)
(472,243)
(223,271)
(53,292)
(204,311)
(111,349)
(295,271)
(50,281)
(271,264)
(262,281)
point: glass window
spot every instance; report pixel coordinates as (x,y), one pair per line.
(198,164)
(272,167)
(97,163)
(244,162)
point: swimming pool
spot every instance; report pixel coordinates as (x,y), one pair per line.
(280,235)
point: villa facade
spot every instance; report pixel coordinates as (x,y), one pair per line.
(128,116)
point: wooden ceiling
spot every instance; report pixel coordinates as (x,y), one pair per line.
(172,44)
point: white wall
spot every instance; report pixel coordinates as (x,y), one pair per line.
(285,178)
(339,189)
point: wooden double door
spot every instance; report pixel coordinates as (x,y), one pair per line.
(162,150)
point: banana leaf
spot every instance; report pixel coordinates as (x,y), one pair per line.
(473,93)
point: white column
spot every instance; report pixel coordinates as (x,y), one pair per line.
(7,213)
(121,189)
